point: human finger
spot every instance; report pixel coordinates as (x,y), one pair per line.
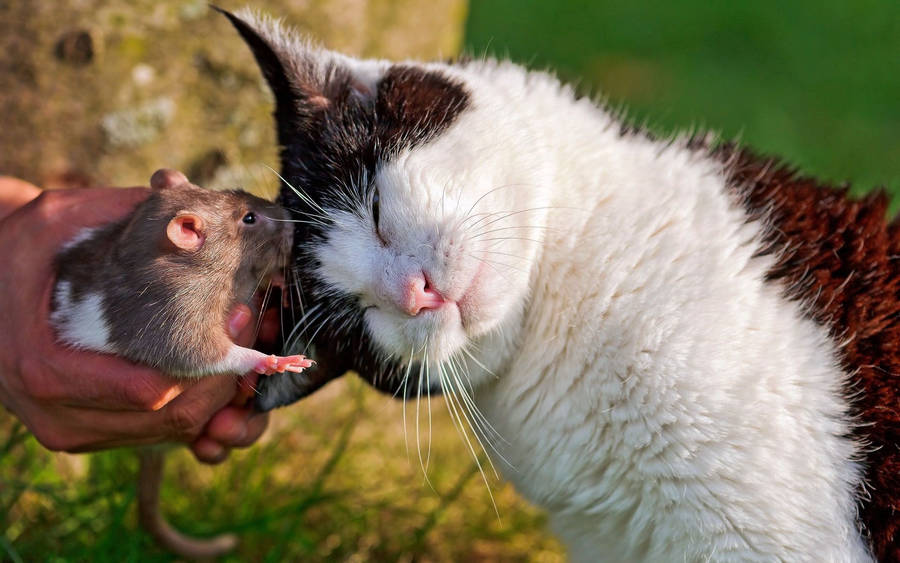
(77,430)
(270,325)
(257,423)
(181,420)
(103,381)
(240,326)
(189,413)
(236,427)
(209,451)
(62,214)
(15,193)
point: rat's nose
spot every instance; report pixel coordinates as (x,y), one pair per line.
(418,295)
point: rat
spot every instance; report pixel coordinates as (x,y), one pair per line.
(157,286)
(679,349)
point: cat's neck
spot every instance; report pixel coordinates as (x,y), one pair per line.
(607,192)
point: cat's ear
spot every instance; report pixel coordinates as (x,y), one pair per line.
(308,82)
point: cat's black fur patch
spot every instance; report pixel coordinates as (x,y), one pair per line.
(414,106)
(334,134)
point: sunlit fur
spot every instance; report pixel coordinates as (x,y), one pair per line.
(637,376)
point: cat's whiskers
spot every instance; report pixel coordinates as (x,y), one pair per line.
(535,227)
(316,218)
(443,198)
(303,324)
(418,401)
(468,213)
(481,427)
(285,294)
(304,221)
(509,254)
(465,351)
(292,287)
(328,320)
(428,404)
(508,214)
(302,195)
(488,263)
(405,398)
(513,238)
(458,416)
(498,263)
(492,216)
(351,196)
(262,309)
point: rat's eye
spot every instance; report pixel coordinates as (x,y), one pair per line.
(249,218)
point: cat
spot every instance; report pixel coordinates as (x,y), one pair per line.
(678,349)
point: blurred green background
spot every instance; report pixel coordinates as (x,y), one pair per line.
(334,478)
(815,82)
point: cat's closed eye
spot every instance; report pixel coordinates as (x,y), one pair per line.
(376,216)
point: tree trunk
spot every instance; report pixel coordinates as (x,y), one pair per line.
(107,91)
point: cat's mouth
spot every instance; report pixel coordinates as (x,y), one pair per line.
(434,334)
(449,321)
(459,308)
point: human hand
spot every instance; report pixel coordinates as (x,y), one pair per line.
(15,193)
(79,401)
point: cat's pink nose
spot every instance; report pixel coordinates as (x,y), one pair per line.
(419,296)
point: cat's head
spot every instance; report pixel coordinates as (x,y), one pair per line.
(415,228)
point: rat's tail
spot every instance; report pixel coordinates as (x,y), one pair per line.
(149,480)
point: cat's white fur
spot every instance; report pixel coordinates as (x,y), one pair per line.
(653,392)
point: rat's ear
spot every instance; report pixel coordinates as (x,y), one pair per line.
(308,82)
(187,231)
(167,178)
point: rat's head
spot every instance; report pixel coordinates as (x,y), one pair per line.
(416,234)
(222,231)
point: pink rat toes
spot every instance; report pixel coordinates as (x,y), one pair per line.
(279,364)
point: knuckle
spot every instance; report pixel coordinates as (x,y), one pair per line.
(145,394)
(184,422)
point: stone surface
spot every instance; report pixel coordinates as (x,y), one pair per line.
(107,91)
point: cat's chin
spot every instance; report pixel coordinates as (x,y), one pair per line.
(434,335)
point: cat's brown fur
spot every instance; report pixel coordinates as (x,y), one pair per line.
(841,257)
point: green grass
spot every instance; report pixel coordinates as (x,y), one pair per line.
(332,480)
(815,82)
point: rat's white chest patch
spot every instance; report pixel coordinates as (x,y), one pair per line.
(80,322)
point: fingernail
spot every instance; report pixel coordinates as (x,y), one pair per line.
(209,451)
(238,321)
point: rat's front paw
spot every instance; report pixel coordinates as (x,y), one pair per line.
(279,364)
